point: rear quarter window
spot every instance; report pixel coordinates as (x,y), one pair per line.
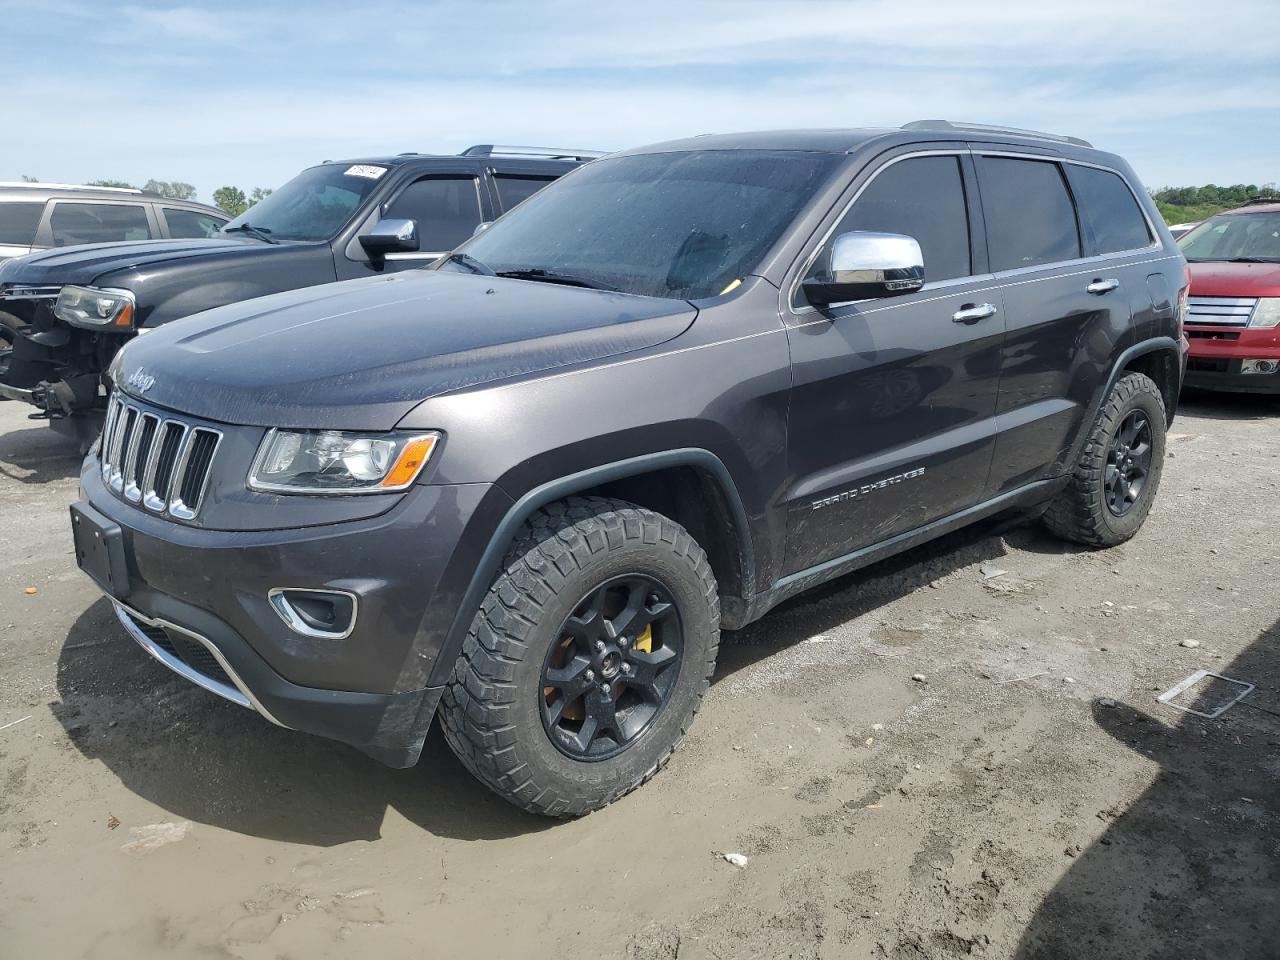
(1109,213)
(514,190)
(18,222)
(1030,217)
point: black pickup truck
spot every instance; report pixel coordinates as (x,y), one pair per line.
(65,312)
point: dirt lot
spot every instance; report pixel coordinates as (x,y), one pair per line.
(975,813)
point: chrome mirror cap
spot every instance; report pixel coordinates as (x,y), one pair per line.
(866,265)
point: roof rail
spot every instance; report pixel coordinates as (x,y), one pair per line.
(1252,201)
(65,186)
(988,128)
(546,153)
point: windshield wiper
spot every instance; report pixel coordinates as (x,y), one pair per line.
(1253,260)
(548,276)
(471,263)
(258,233)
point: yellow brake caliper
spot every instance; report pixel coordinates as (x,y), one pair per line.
(644,642)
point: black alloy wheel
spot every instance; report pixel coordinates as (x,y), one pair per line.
(611,670)
(1128,463)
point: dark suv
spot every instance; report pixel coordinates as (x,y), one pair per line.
(67,311)
(526,490)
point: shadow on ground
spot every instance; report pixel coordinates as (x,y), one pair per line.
(204,759)
(1192,868)
(38,455)
(1228,406)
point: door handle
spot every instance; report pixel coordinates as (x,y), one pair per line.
(1099,287)
(973,312)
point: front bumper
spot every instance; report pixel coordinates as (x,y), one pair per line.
(1216,357)
(197,601)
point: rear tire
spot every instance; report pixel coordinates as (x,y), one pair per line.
(553,704)
(1115,480)
(9,327)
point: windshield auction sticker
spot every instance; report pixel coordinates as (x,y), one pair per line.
(365,170)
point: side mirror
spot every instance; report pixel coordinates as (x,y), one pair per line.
(390,236)
(865,266)
(481,227)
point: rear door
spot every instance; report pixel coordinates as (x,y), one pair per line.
(891,408)
(19,220)
(73,221)
(1066,307)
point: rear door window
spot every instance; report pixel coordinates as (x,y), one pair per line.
(1110,215)
(191,224)
(514,190)
(1029,214)
(18,222)
(921,197)
(73,222)
(446,209)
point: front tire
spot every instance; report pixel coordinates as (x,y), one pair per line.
(1115,480)
(588,658)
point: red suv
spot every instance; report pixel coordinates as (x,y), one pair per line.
(1234,320)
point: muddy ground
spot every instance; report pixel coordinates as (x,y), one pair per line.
(976,813)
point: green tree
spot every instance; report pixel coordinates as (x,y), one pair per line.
(26,179)
(173,189)
(231,200)
(259,193)
(112,183)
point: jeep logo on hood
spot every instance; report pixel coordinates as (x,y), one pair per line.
(140,380)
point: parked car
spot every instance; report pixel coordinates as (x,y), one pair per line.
(525,490)
(1234,319)
(1177,230)
(37,216)
(69,310)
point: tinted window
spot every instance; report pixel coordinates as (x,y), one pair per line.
(98,223)
(681,225)
(1235,236)
(447,210)
(1111,216)
(18,222)
(185,224)
(514,190)
(921,198)
(1030,218)
(316,203)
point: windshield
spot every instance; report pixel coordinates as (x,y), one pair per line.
(1235,236)
(313,205)
(678,225)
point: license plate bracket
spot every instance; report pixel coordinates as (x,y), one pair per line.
(100,552)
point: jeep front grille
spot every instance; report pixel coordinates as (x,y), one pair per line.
(1221,311)
(162,463)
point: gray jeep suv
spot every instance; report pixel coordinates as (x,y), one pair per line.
(525,490)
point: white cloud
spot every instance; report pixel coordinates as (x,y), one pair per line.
(248,95)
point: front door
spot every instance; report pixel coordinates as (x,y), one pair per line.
(892,407)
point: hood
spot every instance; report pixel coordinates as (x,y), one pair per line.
(1221,279)
(362,354)
(88,262)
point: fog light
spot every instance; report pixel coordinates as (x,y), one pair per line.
(323,614)
(1259,366)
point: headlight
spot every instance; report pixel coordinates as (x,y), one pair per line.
(91,307)
(330,461)
(1266,313)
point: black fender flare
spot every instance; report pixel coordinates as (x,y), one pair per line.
(1141,349)
(566,486)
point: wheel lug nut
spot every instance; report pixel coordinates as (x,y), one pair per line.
(623,641)
(591,675)
(626,668)
(599,646)
(604,688)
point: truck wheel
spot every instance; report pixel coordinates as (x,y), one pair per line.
(588,658)
(9,327)
(1116,477)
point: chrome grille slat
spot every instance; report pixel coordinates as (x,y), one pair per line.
(1221,311)
(161,463)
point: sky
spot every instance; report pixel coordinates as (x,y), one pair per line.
(248,94)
